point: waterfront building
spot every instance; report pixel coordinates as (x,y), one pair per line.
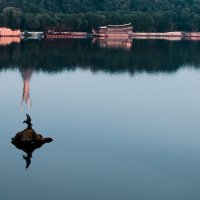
(118,31)
(7,32)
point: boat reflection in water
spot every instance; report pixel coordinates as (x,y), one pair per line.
(8,40)
(28,141)
(26,76)
(115,43)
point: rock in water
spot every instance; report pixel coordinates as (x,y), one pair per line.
(29,135)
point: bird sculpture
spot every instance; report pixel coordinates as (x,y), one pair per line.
(28,122)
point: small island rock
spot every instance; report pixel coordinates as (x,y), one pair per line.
(29,135)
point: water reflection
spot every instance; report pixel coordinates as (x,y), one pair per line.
(113,43)
(9,40)
(29,148)
(28,141)
(151,56)
(105,151)
(26,76)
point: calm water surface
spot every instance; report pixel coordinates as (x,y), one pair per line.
(125,122)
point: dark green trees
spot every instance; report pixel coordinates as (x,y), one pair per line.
(81,15)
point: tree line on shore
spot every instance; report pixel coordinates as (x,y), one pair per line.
(82,15)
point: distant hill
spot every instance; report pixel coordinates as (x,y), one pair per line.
(146,15)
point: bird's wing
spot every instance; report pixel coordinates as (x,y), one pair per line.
(28,117)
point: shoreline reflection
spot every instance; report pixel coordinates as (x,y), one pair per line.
(150,56)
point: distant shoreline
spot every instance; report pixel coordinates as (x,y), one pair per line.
(177,35)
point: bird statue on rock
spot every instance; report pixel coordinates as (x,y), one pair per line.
(28,140)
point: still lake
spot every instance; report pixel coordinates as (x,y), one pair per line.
(125,119)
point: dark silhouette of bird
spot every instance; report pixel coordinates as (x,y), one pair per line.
(27,159)
(28,122)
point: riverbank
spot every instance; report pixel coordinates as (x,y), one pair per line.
(83,35)
(169,35)
(134,35)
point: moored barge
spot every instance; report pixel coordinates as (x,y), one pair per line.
(114,31)
(54,34)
